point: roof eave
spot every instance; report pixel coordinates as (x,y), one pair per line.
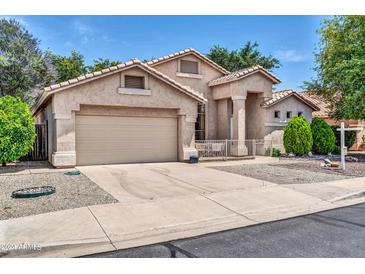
(47,92)
(170,57)
(274,79)
(314,107)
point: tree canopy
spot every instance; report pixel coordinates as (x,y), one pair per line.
(72,66)
(102,63)
(24,68)
(340,66)
(247,56)
(68,67)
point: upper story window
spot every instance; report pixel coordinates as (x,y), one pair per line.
(300,113)
(288,114)
(189,67)
(136,82)
(277,114)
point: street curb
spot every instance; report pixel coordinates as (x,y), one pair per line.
(84,249)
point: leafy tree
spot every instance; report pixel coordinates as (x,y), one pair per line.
(101,63)
(340,66)
(298,136)
(24,68)
(17,130)
(350,137)
(324,140)
(247,56)
(68,67)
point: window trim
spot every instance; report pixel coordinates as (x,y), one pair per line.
(134,91)
(279,114)
(142,77)
(191,61)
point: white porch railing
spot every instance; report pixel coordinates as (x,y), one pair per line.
(223,149)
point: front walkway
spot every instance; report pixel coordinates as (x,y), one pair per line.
(163,202)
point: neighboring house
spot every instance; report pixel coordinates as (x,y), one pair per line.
(280,109)
(154,111)
(323,113)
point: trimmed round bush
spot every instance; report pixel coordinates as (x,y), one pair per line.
(324,140)
(17,130)
(298,136)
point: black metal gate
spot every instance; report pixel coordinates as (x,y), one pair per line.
(39,152)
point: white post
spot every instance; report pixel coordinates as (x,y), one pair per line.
(343,129)
(343,164)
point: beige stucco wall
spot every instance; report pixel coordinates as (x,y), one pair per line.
(207,73)
(274,127)
(104,93)
(290,104)
(255,116)
(247,95)
(224,116)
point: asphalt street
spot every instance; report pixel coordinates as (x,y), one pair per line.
(334,233)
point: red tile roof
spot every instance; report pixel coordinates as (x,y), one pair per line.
(183,53)
(239,74)
(278,96)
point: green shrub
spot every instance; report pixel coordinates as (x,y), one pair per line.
(337,150)
(350,137)
(324,140)
(298,136)
(17,130)
(276,152)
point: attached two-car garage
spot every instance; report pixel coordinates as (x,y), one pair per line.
(98,119)
(118,139)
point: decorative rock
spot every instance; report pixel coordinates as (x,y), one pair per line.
(351,159)
(291,155)
(310,154)
(327,161)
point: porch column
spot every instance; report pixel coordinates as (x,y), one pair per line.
(64,154)
(239,126)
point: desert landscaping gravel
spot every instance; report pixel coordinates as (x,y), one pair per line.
(71,192)
(285,173)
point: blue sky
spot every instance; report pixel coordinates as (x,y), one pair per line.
(292,39)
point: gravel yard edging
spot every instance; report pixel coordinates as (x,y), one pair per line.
(71,192)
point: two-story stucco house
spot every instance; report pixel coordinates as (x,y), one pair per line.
(154,111)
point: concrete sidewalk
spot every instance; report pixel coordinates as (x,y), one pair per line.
(155,216)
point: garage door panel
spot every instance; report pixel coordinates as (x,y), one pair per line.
(110,139)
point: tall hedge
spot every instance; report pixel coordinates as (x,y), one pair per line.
(298,136)
(17,130)
(324,140)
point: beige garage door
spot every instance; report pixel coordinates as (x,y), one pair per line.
(112,139)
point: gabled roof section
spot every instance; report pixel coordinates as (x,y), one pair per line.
(279,96)
(184,53)
(48,91)
(319,102)
(242,73)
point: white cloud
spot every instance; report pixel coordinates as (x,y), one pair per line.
(289,55)
(86,32)
(68,44)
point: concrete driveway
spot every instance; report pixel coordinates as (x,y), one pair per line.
(166,201)
(135,183)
